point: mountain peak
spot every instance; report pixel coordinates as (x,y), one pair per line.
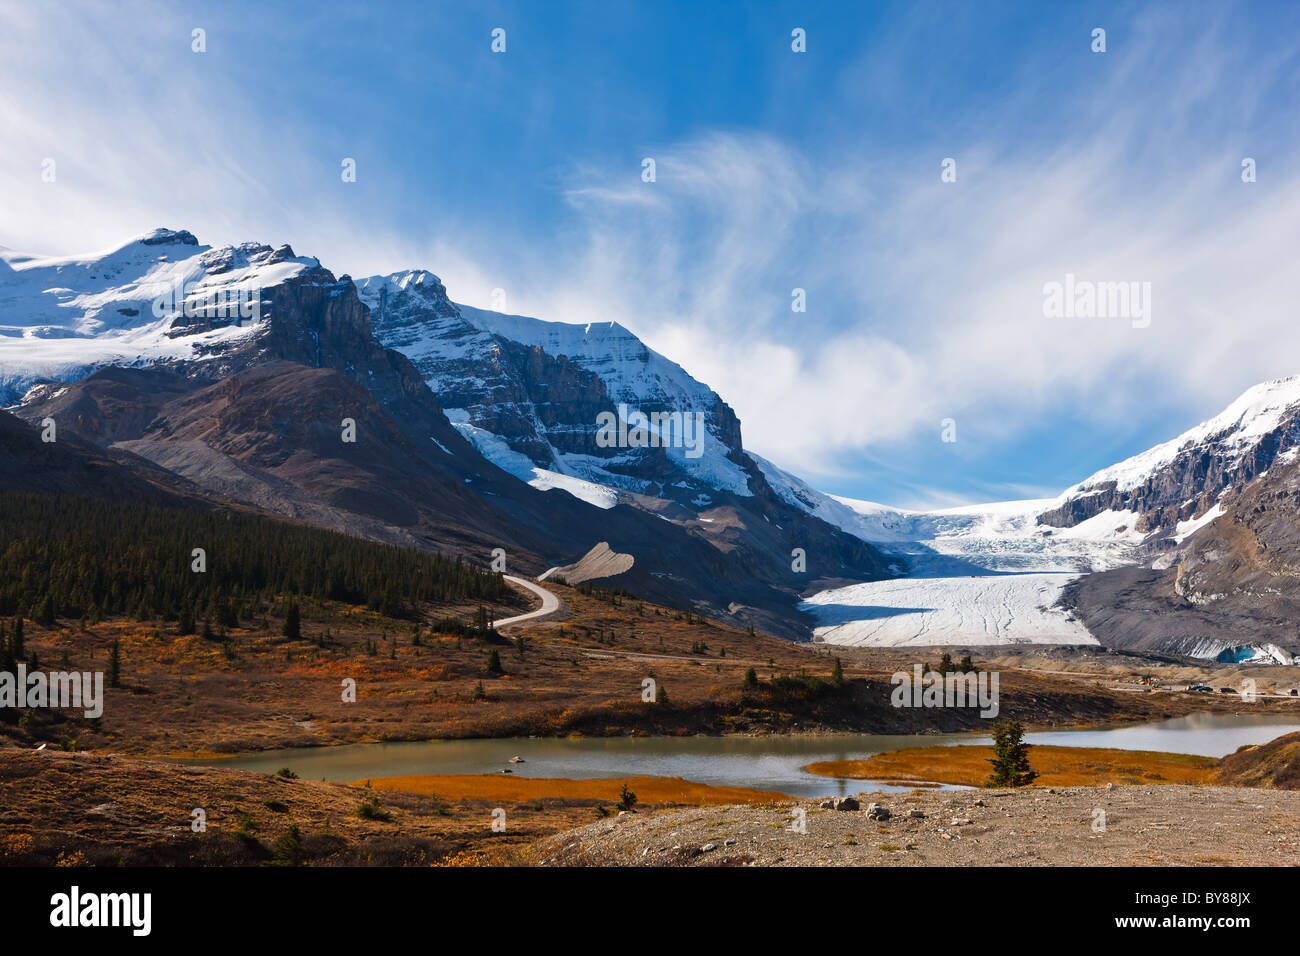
(412,281)
(167,237)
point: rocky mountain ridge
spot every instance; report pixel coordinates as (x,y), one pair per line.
(252,409)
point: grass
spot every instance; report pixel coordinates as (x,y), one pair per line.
(1057,766)
(185,696)
(649,790)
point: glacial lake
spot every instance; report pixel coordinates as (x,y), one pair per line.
(763,763)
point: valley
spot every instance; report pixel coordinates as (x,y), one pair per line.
(684,616)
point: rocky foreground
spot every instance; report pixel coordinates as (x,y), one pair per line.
(1098,826)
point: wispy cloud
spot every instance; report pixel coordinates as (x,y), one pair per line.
(924,299)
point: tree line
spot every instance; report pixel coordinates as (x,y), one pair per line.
(65,556)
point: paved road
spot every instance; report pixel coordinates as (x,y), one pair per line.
(550,603)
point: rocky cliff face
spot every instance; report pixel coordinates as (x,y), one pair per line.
(541,387)
(1208,465)
(249,409)
(1230,591)
(529,394)
(1252,552)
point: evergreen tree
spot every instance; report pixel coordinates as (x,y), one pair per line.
(224,613)
(945,664)
(77,557)
(967,665)
(751,679)
(45,614)
(626,798)
(837,673)
(494,663)
(1010,756)
(293,622)
(115,665)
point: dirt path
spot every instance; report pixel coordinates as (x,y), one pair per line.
(1160,825)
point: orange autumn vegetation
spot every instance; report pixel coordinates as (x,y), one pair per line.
(649,790)
(1056,766)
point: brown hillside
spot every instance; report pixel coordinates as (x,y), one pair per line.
(1275,764)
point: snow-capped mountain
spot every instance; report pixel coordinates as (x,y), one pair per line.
(530,395)
(233,369)
(214,364)
(161,297)
(1225,581)
(1156,498)
(978,575)
(1171,486)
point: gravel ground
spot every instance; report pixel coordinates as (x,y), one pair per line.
(1157,826)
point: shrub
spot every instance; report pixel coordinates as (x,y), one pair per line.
(371,810)
(288,850)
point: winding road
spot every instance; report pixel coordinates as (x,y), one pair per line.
(550,603)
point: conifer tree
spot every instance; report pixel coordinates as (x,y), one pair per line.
(1010,756)
(293,622)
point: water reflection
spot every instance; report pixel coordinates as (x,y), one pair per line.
(763,763)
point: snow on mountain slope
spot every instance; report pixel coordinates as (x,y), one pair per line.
(969,612)
(993,573)
(1241,426)
(60,318)
(1206,466)
(971,539)
(635,375)
(979,574)
(540,387)
(496,450)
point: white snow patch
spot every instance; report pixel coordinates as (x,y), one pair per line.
(1189,527)
(1258,411)
(950,596)
(496,450)
(971,611)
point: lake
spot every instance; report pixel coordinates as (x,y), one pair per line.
(763,763)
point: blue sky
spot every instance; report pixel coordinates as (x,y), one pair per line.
(775,170)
